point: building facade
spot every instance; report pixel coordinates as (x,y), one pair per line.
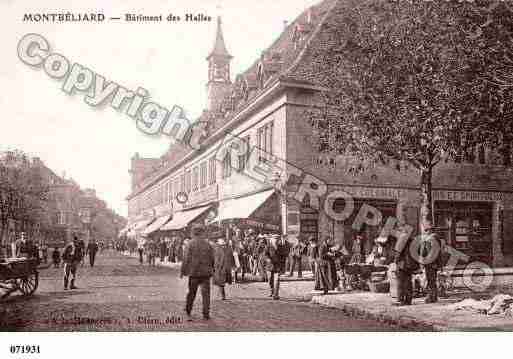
(67,211)
(260,163)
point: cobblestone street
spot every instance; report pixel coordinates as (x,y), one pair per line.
(118,294)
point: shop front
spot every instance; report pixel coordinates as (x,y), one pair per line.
(259,211)
(466,227)
(478,224)
(371,208)
(345,231)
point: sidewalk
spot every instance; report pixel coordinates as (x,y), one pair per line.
(420,316)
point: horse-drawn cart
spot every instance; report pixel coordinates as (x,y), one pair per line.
(18,275)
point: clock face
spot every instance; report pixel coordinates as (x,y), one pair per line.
(220,72)
(181,197)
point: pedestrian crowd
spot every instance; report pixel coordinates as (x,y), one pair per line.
(228,257)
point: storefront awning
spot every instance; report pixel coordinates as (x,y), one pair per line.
(155,226)
(139,226)
(182,219)
(243,207)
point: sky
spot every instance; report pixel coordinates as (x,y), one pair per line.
(94,145)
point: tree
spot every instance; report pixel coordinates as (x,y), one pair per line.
(23,190)
(409,83)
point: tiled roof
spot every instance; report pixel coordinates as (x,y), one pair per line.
(287,58)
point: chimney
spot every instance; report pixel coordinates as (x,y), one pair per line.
(285,24)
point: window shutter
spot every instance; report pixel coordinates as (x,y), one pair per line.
(506,220)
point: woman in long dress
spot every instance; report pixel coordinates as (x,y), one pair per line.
(326,277)
(262,259)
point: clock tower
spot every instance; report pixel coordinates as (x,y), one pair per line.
(218,71)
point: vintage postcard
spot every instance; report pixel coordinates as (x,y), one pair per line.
(266,166)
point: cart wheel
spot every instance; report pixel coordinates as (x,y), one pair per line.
(28,285)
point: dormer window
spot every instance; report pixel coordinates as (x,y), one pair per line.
(300,33)
(261,76)
(245,92)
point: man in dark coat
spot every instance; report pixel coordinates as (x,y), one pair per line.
(405,265)
(163,249)
(430,252)
(71,257)
(198,265)
(277,252)
(92,249)
(261,254)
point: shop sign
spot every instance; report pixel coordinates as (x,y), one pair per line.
(258,224)
(373,192)
(468,196)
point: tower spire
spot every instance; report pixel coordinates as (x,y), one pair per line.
(219,49)
(218,70)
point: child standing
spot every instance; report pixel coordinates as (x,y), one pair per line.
(56,257)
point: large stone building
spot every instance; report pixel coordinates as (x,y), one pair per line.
(267,107)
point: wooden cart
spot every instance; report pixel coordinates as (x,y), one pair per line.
(19,275)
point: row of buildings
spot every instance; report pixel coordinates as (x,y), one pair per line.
(67,211)
(267,107)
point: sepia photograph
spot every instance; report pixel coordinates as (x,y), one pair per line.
(296,166)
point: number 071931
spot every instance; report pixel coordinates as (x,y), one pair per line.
(25,349)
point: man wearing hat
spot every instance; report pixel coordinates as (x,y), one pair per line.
(405,266)
(277,252)
(71,257)
(430,253)
(198,265)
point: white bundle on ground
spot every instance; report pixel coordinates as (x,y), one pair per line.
(500,304)
(478,306)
